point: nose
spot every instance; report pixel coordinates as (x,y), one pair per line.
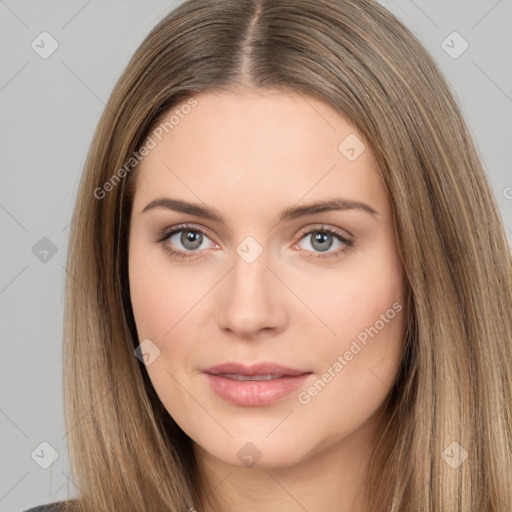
(252,299)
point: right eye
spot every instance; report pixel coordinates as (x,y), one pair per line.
(190,238)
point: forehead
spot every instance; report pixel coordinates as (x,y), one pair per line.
(263,147)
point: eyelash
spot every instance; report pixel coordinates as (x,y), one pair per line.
(181,255)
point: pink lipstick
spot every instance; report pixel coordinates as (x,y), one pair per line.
(256,385)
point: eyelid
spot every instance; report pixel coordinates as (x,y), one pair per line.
(343,233)
(168,232)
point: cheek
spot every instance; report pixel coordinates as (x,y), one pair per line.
(149,299)
(361,362)
(363,313)
(161,293)
(161,301)
(348,301)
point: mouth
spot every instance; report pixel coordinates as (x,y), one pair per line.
(256,385)
(240,377)
(263,369)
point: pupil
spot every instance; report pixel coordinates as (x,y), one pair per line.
(321,237)
(191,239)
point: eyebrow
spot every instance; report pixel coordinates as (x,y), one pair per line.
(294,212)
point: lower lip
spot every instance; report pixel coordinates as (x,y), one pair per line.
(252,393)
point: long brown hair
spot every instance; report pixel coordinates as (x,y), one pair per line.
(455,380)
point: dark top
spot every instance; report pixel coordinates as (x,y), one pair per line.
(50,507)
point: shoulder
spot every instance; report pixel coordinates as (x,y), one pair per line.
(49,507)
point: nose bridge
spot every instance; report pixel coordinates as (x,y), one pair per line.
(250,271)
(249,279)
(251,298)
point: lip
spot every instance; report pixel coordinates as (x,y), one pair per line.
(264,368)
(254,393)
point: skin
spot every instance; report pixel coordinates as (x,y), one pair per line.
(251,154)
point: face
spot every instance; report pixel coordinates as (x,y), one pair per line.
(267,276)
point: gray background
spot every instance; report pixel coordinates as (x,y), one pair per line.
(49,109)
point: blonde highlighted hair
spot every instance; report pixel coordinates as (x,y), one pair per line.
(455,380)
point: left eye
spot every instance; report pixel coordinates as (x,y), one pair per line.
(321,240)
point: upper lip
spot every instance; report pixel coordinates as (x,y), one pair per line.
(265,368)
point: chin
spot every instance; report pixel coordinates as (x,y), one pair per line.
(256,453)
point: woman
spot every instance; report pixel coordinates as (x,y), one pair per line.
(290,286)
